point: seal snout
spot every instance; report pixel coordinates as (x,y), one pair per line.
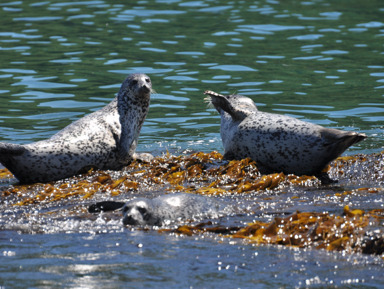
(130,220)
(146,87)
(132,216)
(138,212)
(138,84)
(143,83)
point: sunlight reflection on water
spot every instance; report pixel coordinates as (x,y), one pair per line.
(315,60)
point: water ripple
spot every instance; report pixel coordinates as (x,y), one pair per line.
(63,59)
(233,68)
(36,82)
(267,28)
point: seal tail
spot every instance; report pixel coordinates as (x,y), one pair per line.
(9,149)
(339,141)
(7,152)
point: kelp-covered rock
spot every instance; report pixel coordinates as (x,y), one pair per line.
(199,173)
(269,209)
(359,169)
(351,232)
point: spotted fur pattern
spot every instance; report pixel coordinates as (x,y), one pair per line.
(278,143)
(105,139)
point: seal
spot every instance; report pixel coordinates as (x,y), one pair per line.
(166,209)
(277,143)
(105,139)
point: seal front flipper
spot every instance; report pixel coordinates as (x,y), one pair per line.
(126,146)
(237,106)
(221,103)
(124,155)
(105,206)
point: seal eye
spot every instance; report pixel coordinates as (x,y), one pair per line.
(134,82)
(142,211)
(147,80)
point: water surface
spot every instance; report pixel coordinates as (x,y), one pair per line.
(320,61)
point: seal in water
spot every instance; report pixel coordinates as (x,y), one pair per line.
(169,208)
(105,139)
(277,143)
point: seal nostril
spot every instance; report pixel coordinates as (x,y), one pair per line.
(145,88)
(129,220)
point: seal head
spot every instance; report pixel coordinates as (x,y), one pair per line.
(141,211)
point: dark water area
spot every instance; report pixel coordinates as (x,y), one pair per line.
(148,259)
(320,61)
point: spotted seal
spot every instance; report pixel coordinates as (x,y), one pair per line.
(277,143)
(165,209)
(105,139)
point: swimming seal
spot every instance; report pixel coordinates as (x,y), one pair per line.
(169,208)
(277,143)
(105,139)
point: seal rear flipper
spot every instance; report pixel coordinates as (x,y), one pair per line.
(11,149)
(105,206)
(339,141)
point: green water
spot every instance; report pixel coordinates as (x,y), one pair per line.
(321,61)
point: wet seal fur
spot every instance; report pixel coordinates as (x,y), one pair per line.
(277,143)
(105,139)
(169,208)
